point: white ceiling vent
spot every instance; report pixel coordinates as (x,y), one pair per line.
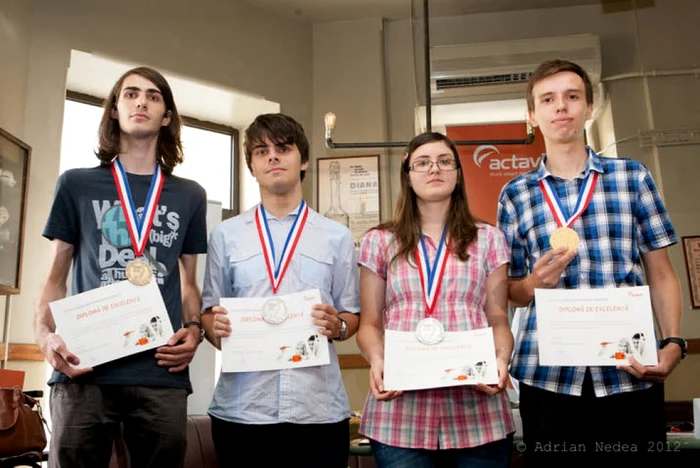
(469,72)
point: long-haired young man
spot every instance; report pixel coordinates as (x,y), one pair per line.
(145,393)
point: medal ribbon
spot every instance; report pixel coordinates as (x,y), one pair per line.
(138,227)
(277,269)
(431,277)
(560,212)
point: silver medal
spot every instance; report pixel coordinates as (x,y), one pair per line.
(429,331)
(274,311)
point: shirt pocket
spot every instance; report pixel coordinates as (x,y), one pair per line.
(316,269)
(248,268)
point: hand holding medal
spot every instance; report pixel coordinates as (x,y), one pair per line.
(547,270)
(564,235)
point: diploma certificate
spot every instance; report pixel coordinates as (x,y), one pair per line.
(257,345)
(461,358)
(112,322)
(595,327)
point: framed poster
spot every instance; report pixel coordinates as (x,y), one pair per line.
(348,192)
(691,251)
(14,175)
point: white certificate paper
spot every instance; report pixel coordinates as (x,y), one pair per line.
(595,327)
(461,358)
(112,322)
(256,345)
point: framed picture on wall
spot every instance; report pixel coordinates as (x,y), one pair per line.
(691,251)
(348,192)
(14,175)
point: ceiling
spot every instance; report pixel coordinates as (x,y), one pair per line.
(318,11)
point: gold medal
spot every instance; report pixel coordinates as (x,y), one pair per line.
(139,272)
(564,237)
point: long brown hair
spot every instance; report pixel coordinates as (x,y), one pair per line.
(169,148)
(406,225)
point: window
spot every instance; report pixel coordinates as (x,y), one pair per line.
(209,149)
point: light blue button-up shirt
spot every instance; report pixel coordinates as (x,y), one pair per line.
(325,259)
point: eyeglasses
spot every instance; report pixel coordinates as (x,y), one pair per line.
(426,165)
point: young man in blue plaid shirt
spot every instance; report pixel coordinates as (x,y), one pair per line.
(603,414)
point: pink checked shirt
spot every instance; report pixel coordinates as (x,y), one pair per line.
(445,418)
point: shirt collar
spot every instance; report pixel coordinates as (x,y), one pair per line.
(249,215)
(593,164)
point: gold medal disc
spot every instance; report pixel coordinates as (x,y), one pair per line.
(139,272)
(564,237)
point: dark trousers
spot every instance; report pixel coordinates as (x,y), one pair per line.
(285,444)
(490,455)
(86,419)
(569,431)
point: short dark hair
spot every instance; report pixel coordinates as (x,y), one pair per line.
(169,148)
(280,129)
(552,67)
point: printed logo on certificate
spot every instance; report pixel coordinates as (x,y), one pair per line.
(595,327)
(112,322)
(269,333)
(460,358)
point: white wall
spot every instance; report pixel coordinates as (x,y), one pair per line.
(15,33)
(15,39)
(348,80)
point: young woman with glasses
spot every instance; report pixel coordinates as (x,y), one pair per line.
(468,425)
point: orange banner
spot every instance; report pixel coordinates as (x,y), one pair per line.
(487,168)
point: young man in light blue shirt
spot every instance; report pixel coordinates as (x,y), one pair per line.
(301,415)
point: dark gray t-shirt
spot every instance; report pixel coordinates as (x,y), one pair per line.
(86,213)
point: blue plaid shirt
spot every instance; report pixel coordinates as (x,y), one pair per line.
(625,219)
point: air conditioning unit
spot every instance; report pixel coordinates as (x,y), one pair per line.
(499,70)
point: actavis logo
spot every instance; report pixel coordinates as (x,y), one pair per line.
(502,163)
(483,152)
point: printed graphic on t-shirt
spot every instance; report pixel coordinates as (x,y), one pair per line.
(115,249)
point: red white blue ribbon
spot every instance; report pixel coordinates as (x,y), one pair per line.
(560,212)
(138,227)
(431,276)
(277,265)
